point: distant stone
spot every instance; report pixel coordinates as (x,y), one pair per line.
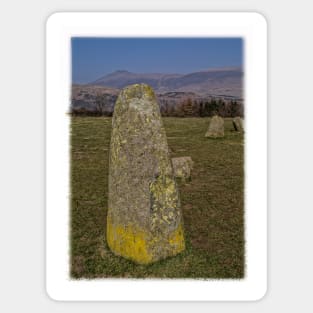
(144,220)
(238,124)
(182,167)
(216,127)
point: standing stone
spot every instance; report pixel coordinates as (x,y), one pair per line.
(238,124)
(144,221)
(182,167)
(216,127)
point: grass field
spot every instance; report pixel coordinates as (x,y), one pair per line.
(212,203)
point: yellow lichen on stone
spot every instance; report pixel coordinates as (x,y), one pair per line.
(149,91)
(129,242)
(137,245)
(163,188)
(164,203)
(176,240)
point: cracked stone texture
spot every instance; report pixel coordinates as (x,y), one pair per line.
(144,221)
(182,167)
(238,124)
(216,127)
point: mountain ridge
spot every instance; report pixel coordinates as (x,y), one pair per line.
(226,81)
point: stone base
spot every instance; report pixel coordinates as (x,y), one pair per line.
(141,247)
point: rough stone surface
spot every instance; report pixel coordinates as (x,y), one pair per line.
(238,124)
(216,127)
(144,221)
(182,167)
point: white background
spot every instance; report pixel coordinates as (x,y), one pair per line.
(251,27)
(22,82)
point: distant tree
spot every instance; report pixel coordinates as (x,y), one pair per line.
(178,110)
(210,107)
(188,108)
(101,103)
(221,111)
(165,108)
(201,109)
(235,108)
(227,109)
(196,105)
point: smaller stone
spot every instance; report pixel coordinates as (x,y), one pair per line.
(182,167)
(238,124)
(216,127)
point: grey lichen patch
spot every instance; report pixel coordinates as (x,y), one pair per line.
(182,167)
(144,217)
(216,127)
(165,213)
(138,91)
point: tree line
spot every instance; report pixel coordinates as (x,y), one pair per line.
(102,107)
(203,108)
(184,108)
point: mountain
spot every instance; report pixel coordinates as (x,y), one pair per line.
(214,82)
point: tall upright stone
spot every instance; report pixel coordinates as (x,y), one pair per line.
(216,127)
(144,221)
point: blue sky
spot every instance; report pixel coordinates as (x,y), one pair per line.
(96,57)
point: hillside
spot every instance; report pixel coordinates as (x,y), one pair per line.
(214,82)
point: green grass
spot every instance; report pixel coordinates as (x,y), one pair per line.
(212,203)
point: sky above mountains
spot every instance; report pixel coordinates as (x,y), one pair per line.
(96,57)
